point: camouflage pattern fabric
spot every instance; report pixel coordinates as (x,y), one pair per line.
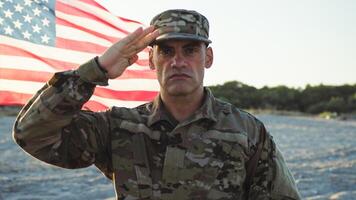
(145,151)
(182,24)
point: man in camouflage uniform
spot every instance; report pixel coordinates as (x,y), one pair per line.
(186,144)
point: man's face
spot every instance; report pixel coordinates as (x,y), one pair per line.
(180,65)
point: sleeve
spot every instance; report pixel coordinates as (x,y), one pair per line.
(272,178)
(53,128)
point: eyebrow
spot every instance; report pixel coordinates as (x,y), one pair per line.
(190,44)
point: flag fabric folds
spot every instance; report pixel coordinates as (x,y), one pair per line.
(41,37)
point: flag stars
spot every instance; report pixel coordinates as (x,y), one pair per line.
(36,29)
(27,18)
(8,30)
(26,35)
(17,24)
(44,39)
(45,22)
(8,13)
(28,2)
(18,8)
(36,12)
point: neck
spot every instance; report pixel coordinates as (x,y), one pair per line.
(182,107)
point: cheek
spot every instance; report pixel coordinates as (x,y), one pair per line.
(158,68)
(200,73)
(160,72)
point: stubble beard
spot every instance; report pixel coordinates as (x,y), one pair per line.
(184,89)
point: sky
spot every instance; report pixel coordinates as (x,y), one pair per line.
(269,43)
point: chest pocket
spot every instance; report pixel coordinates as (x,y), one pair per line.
(212,162)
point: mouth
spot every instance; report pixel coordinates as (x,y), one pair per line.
(178,76)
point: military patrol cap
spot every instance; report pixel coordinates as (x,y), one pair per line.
(182,24)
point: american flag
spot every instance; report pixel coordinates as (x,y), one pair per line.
(41,37)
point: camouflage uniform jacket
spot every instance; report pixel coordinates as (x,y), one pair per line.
(144,150)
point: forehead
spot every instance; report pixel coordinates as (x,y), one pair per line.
(178,43)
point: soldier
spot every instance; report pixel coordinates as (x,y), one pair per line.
(185,144)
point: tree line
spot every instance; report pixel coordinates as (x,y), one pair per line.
(311,99)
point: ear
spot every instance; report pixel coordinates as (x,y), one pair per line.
(209,57)
(150,59)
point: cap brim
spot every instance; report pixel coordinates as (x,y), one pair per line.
(179,36)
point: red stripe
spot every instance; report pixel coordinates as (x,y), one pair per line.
(36,76)
(142,62)
(24,75)
(8,98)
(56,64)
(13,98)
(64,22)
(80,46)
(89,47)
(99,6)
(93,3)
(125,95)
(107,93)
(94,106)
(82,13)
(97,34)
(129,20)
(141,74)
(20,98)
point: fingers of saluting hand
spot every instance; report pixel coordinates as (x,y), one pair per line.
(139,39)
(124,52)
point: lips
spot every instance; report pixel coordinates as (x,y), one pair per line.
(179,76)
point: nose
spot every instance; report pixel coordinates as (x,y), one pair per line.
(178,61)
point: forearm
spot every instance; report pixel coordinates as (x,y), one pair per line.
(42,124)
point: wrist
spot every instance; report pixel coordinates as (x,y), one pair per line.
(96,59)
(92,73)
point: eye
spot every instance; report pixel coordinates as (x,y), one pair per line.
(190,50)
(166,51)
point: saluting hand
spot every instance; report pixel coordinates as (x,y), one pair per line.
(124,52)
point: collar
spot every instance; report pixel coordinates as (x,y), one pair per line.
(206,111)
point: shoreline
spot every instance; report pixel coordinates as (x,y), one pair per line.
(14,110)
(9,110)
(323,115)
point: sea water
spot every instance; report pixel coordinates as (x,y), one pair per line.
(320,153)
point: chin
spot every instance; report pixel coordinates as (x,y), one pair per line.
(178,90)
(181,90)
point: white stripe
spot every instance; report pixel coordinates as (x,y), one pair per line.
(116,84)
(95,27)
(26,87)
(90,24)
(79,35)
(24,63)
(129,26)
(29,87)
(119,103)
(65,55)
(19,62)
(133,84)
